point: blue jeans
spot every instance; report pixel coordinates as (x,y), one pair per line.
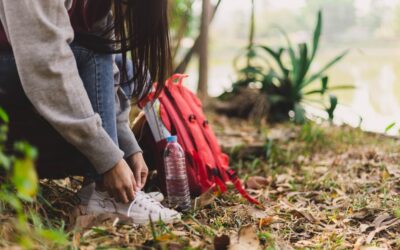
(58,158)
(126,85)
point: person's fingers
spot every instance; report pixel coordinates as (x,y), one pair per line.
(138,181)
(120,182)
(144,178)
(122,195)
(130,191)
(134,184)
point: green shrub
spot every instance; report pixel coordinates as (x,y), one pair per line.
(19,187)
(286,86)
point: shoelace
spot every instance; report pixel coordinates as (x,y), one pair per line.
(148,201)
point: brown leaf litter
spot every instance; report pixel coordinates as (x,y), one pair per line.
(343,193)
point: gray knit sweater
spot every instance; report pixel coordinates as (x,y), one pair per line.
(40,33)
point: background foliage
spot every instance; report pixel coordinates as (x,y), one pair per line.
(19,189)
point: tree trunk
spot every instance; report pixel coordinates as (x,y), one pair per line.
(181,68)
(202,89)
(252,30)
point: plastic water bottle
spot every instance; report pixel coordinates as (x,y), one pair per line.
(176,176)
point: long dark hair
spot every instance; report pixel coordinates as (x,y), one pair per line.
(141,29)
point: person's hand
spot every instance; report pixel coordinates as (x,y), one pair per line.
(139,168)
(120,182)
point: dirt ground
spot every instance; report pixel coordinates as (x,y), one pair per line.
(323,187)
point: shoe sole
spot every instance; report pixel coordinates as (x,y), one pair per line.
(137,221)
(147,221)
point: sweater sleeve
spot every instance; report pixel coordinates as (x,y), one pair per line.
(126,139)
(40,33)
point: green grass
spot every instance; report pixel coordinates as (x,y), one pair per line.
(320,177)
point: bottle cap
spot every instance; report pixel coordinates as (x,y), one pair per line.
(173,138)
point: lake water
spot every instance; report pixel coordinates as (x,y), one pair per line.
(375,73)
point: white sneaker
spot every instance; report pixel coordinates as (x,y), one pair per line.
(141,210)
(156,196)
(86,192)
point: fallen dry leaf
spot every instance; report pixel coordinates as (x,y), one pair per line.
(91,220)
(380,219)
(256,213)
(321,170)
(266,221)
(205,199)
(381,224)
(373,248)
(360,241)
(247,239)
(174,246)
(257,182)
(283,178)
(179,233)
(341,206)
(364,227)
(307,215)
(393,170)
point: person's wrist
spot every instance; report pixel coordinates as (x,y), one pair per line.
(113,168)
(137,154)
(134,157)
